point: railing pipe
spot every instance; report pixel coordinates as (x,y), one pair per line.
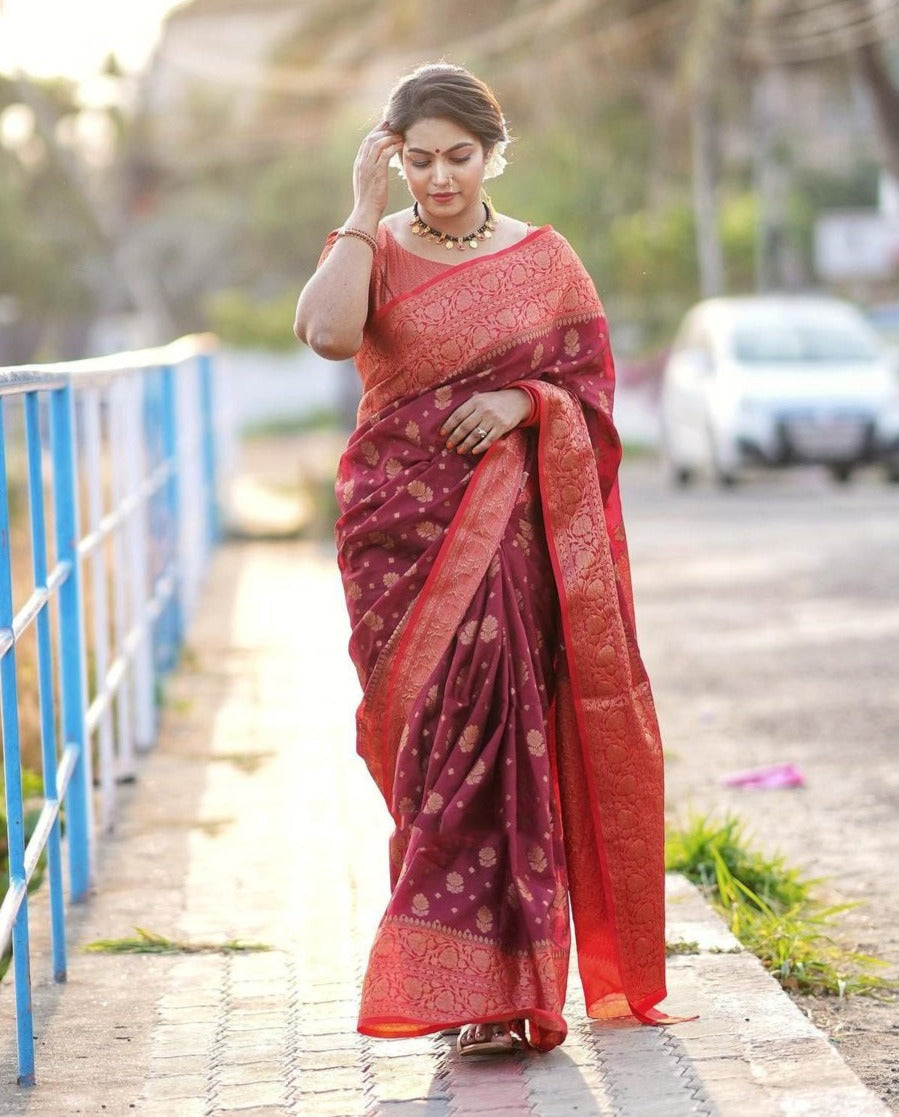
(79,812)
(45,682)
(16,910)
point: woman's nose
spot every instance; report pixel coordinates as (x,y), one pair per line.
(441,172)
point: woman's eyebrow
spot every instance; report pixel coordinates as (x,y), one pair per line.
(455,147)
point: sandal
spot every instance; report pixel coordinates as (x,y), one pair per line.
(490,1039)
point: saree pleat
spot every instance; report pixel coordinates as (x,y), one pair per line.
(506,716)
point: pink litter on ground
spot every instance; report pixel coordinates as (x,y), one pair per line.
(766,778)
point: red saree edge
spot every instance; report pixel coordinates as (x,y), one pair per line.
(642,1009)
(401,1027)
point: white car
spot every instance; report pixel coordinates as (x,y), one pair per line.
(778,380)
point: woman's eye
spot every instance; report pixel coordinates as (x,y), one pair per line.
(463,159)
(421,166)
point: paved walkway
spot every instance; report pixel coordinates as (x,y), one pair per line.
(253,819)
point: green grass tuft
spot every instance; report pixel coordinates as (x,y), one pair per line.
(151,942)
(772,909)
(681,946)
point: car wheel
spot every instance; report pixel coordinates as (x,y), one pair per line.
(724,476)
(681,476)
(841,473)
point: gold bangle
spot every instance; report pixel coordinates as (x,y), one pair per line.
(347,231)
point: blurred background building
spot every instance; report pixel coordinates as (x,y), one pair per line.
(685,147)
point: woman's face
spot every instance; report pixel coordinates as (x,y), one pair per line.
(444,167)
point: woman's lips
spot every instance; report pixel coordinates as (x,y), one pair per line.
(443,197)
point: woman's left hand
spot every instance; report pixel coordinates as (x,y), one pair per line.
(476,424)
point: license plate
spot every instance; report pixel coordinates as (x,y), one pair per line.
(827,436)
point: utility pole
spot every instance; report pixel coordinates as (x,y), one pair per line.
(777,266)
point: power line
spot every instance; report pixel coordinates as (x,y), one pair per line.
(818,31)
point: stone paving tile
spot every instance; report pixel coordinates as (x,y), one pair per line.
(248,1094)
(336,1103)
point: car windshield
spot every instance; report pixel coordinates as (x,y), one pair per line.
(793,340)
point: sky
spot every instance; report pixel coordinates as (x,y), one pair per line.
(73,37)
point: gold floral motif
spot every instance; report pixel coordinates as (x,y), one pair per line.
(353,591)
(484,920)
(536,743)
(348,488)
(523,891)
(454,883)
(431,700)
(468,738)
(524,536)
(434,802)
(381,539)
(420,491)
(374,622)
(369,451)
(413,433)
(537,859)
(572,343)
(537,355)
(393,468)
(476,774)
(489,629)
(406,805)
(390,579)
(427,529)
(420,904)
(487,857)
(443,397)
(467,632)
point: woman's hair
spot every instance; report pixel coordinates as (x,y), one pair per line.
(448,93)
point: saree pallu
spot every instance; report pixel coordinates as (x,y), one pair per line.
(506,715)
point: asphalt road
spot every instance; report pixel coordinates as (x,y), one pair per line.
(769,621)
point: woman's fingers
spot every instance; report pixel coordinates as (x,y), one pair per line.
(476,424)
(473,426)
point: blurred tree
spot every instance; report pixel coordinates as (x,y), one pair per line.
(878,76)
(48,251)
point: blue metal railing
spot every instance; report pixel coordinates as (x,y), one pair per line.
(130,444)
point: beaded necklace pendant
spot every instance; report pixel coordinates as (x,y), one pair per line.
(484,232)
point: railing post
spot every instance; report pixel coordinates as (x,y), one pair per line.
(93,479)
(12,775)
(49,758)
(208,435)
(79,822)
(138,564)
(118,437)
(173,612)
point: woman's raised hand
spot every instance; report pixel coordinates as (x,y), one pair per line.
(370,169)
(476,424)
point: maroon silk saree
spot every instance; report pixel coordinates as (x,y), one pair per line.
(507,718)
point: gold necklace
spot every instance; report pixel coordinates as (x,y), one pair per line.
(421,228)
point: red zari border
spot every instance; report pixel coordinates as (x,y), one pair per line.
(419,971)
(427,629)
(606,735)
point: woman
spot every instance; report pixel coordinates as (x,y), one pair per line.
(506,718)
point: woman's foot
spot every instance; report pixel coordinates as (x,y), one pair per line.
(487,1039)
